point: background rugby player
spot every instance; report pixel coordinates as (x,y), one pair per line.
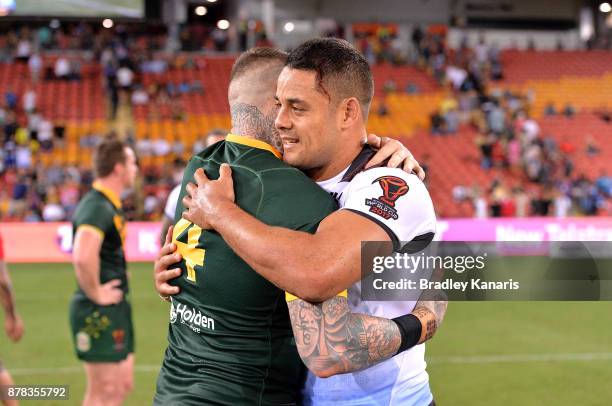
(100,312)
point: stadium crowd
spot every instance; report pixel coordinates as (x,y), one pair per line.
(539,174)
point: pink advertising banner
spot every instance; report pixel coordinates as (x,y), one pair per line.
(52,242)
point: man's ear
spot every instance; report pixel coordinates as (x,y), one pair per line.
(351,112)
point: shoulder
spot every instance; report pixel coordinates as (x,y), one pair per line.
(292,199)
(397,200)
(391,179)
(93,204)
(293,183)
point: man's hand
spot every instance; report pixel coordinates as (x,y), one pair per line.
(109,293)
(161,274)
(13,327)
(204,202)
(397,153)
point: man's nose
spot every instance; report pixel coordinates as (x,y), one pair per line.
(282,121)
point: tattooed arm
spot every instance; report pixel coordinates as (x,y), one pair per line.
(431,308)
(331,340)
(431,313)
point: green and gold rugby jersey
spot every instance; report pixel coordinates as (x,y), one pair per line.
(230,337)
(100,210)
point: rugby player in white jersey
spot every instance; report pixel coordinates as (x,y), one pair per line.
(324,95)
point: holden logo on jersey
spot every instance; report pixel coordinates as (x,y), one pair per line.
(190,316)
(393,188)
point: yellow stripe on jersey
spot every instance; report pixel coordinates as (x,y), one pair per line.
(290,298)
(91,228)
(251,142)
(110,195)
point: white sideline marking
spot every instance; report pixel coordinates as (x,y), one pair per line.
(485,359)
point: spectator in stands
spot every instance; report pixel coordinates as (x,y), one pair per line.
(144,146)
(592,149)
(480,204)
(451,121)
(125,78)
(562,204)
(521,202)
(24,49)
(62,68)
(550,110)
(496,119)
(569,110)
(383,109)
(437,123)
(140,96)
(45,135)
(29,100)
(412,88)
(10,98)
(485,143)
(35,64)
(220,39)
(53,210)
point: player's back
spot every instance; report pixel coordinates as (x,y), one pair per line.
(232,324)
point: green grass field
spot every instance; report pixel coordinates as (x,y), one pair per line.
(493,353)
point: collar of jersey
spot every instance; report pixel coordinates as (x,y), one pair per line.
(110,195)
(251,142)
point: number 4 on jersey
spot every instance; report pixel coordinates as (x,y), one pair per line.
(191,253)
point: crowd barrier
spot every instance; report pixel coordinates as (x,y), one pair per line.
(52,242)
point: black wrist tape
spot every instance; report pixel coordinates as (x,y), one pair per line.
(410,329)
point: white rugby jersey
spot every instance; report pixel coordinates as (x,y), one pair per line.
(401,204)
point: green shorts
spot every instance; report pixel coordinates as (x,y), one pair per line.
(101,333)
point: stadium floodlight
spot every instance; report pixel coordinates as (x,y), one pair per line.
(107,23)
(201,10)
(289,26)
(223,24)
(605,7)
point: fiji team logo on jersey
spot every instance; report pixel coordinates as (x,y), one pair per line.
(384,206)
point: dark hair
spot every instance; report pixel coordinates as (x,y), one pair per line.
(108,153)
(256,56)
(338,66)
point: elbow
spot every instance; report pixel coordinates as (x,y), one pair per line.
(312,290)
(323,373)
(316,283)
(325,369)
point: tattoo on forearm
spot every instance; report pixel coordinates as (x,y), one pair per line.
(431,313)
(332,339)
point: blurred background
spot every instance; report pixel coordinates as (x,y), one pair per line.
(508,105)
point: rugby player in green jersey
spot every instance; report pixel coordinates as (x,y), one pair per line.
(230,337)
(100,312)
